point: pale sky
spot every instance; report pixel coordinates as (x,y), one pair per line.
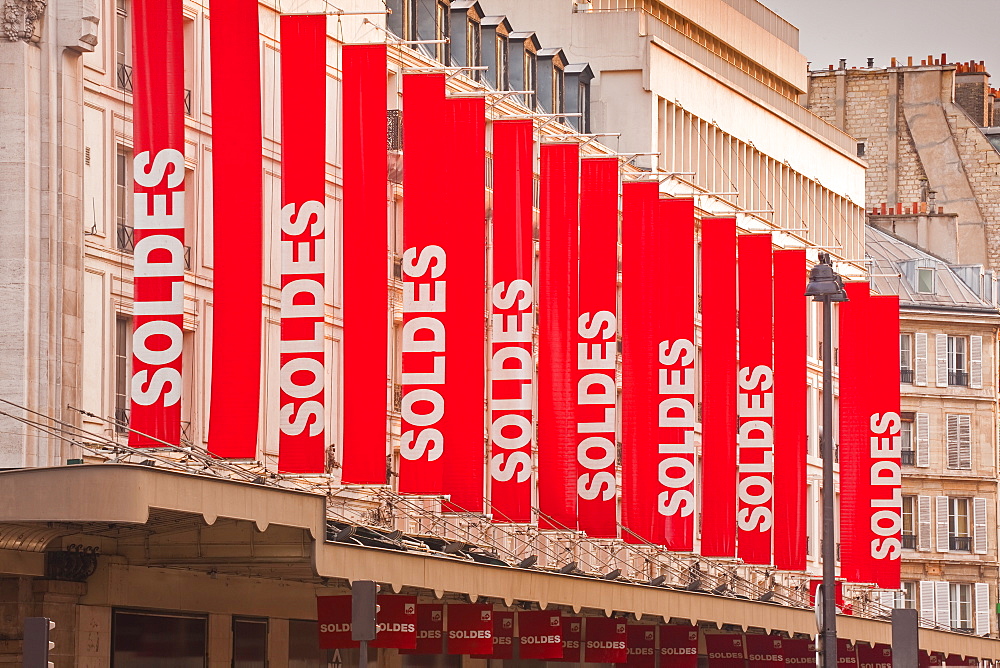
(880,29)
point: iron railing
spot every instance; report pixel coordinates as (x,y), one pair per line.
(909,541)
(956,377)
(126,244)
(960,543)
(906,376)
(124,82)
(907,457)
(394,130)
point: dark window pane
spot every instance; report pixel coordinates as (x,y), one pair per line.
(149,640)
(303,645)
(249,643)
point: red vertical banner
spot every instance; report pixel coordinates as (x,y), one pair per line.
(641,641)
(718,392)
(607,640)
(465,316)
(397,622)
(426,279)
(572,640)
(512,323)
(764,651)
(333,614)
(557,314)
(301,443)
(853,339)
(430,630)
(881,530)
(755,401)
(540,634)
(365,338)
(503,637)
(790,389)
(237,224)
(799,651)
(158,172)
(597,351)
(643,313)
(676,351)
(470,628)
(725,650)
(678,646)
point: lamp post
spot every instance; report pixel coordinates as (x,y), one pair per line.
(826,286)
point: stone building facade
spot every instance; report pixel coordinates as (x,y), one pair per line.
(920,129)
(949,324)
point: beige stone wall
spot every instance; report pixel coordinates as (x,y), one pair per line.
(982,168)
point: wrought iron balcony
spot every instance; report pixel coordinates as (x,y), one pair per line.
(909,541)
(126,244)
(958,377)
(124,82)
(908,457)
(906,376)
(394,130)
(960,543)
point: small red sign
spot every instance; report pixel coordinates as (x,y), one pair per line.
(430,630)
(679,646)
(641,643)
(540,634)
(503,637)
(397,622)
(764,651)
(572,639)
(847,654)
(334,616)
(607,640)
(725,650)
(470,629)
(879,656)
(800,652)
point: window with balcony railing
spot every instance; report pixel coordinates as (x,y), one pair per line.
(958,360)
(906,358)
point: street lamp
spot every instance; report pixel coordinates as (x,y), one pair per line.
(826,286)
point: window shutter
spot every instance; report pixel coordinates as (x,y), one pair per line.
(982,608)
(980,530)
(952,441)
(976,362)
(965,442)
(923,425)
(942,523)
(941,604)
(927,612)
(924,521)
(920,358)
(942,360)
(887,598)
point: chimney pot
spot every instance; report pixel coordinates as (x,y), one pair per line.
(843,63)
(871,62)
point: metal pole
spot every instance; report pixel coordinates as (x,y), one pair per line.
(829,531)
(363,657)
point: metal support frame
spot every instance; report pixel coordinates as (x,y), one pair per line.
(829,529)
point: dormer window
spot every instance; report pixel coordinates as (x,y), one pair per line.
(578,77)
(495,49)
(523,64)
(550,88)
(466,43)
(925,280)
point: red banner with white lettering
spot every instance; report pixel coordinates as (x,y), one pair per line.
(512,323)
(847,654)
(427,279)
(301,445)
(879,656)
(396,622)
(503,637)
(557,314)
(465,316)
(641,646)
(237,222)
(725,650)
(764,651)
(597,351)
(869,438)
(754,401)
(718,392)
(365,337)
(158,171)
(572,640)
(607,640)
(790,389)
(799,651)
(430,630)
(678,646)
(470,628)
(927,659)
(333,614)
(644,317)
(540,634)
(677,380)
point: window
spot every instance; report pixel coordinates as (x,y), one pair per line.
(861,149)
(907,453)
(925,280)
(473,49)
(909,523)
(442,30)
(123,200)
(179,641)
(906,358)
(303,645)
(959,441)
(906,597)
(123,366)
(530,74)
(959,529)
(960,606)
(558,89)
(958,360)
(249,643)
(503,76)
(123,46)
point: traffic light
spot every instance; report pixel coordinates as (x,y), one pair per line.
(363,609)
(36,642)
